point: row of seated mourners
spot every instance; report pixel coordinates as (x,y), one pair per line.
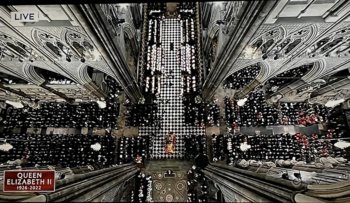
(195,145)
(201,114)
(63,81)
(242,77)
(60,150)
(160,7)
(213,114)
(151,63)
(188,53)
(129,148)
(113,88)
(256,112)
(143,189)
(59,114)
(286,77)
(338,122)
(72,150)
(197,186)
(298,147)
(141,115)
(187,6)
(303,113)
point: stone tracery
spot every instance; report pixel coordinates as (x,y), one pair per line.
(11,48)
(334,45)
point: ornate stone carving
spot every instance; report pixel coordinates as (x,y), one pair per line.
(111,13)
(55,46)
(82,46)
(233,14)
(290,43)
(11,48)
(335,44)
(263,43)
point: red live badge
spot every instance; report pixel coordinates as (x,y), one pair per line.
(29,181)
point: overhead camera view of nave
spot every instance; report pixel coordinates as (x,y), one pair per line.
(242,101)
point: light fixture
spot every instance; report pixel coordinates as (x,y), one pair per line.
(333,103)
(342,144)
(101,104)
(96,146)
(4,146)
(241,102)
(251,52)
(244,146)
(17,105)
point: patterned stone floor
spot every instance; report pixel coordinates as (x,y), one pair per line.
(170,106)
(168,189)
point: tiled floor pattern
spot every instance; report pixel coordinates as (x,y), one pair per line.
(171,109)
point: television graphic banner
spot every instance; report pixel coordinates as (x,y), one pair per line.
(29,181)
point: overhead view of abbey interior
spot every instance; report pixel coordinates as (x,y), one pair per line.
(224,101)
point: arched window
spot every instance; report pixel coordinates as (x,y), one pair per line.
(292,45)
(261,46)
(88,45)
(53,48)
(80,49)
(334,45)
(81,45)
(257,44)
(265,47)
(53,44)
(289,44)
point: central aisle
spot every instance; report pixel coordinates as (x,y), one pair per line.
(170,106)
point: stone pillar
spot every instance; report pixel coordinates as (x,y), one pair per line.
(290,87)
(331,87)
(93,20)
(136,14)
(91,86)
(240,185)
(88,186)
(245,91)
(60,94)
(250,16)
(20,93)
(206,13)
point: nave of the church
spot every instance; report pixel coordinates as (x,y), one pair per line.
(244,101)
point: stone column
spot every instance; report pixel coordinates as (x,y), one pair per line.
(290,87)
(206,13)
(95,23)
(331,87)
(240,30)
(19,93)
(60,94)
(88,186)
(136,14)
(250,87)
(240,185)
